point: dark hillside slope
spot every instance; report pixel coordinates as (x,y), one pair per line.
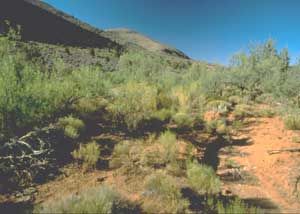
(42,23)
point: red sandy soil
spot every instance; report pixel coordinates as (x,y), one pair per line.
(64,185)
(275,175)
(79,181)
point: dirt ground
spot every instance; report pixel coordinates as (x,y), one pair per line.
(267,180)
(246,168)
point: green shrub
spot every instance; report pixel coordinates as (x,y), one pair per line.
(266,112)
(88,154)
(164,153)
(163,115)
(229,163)
(72,127)
(292,122)
(237,124)
(29,96)
(120,154)
(95,200)
(187,99)
(144,86)
(219,106)
(211,126)
(165,101)
(148,154)
(87,107)
(22,86)
(266,99)
(259,72)
(234,100)
(213,83)
(296,139)
(127,156)
(181,98)
(183,120)
(162,195)
(222,127)
(13,33)
(177,168)
(203,179)
(217,126)
(236,206)
(142,65)
(153,156)
(242,111)
(133,103)
(167,138)
(92,52)
(169,142)
(68,51)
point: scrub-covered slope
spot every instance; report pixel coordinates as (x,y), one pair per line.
(132,39)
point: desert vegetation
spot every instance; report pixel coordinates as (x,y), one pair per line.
(157,102)
(100,200)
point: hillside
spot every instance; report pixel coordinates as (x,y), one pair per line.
(43,23)
(132,39)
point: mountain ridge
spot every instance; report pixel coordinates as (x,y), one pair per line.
(41,22)
(44,25)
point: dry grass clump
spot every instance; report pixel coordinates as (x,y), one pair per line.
(133,103)
(292,122)
(87,108)
(217,126)
(242,111)
(220,106)
(203,179)
(71,126)
(162,195)
(102,199)
(88,154)
(236,206)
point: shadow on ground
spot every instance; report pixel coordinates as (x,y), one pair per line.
(107,147)
(18,208)
(263,203)
(212,149)
(199,204)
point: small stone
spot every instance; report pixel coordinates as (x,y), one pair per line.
(101,179)
(230,174)
(226,192)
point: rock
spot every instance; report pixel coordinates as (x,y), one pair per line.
(230,174)
(101,179)
(227,192)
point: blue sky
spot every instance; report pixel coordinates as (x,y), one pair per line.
(211,30)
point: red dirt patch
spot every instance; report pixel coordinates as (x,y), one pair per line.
(276,174)
(211,115)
